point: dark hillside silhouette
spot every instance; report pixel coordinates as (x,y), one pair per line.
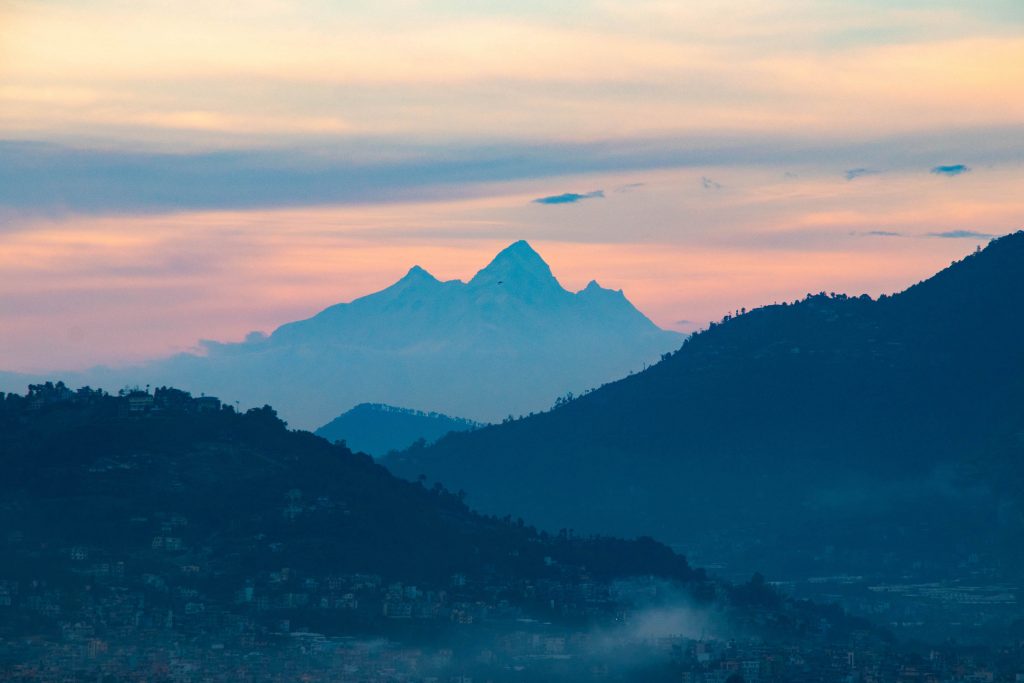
(831,434)
(80,466)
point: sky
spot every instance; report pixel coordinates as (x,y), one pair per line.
(171,172)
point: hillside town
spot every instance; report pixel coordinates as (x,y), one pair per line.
(160,603)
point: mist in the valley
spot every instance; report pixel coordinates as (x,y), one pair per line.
(662,623)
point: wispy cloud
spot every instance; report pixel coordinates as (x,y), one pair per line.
(951,170)
(962,234)
(629,187)
(854,173)
(570,197)
(40,178)
(882,233)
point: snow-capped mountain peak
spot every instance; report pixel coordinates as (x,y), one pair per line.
(519,269)
(510,340)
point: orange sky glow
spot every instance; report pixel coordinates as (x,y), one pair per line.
(171,173)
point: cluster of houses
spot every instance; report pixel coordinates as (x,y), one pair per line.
(186,639)
(133,400)
(282,625)
(168,399)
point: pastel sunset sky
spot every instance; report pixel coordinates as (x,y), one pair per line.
(171,171)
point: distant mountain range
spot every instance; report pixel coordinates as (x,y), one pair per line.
(377,429)
(510,341)
(833,434)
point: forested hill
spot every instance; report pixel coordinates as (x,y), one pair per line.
(107,473)
(826,433)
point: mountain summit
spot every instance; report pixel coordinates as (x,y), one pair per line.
(519,269)
(509,341)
